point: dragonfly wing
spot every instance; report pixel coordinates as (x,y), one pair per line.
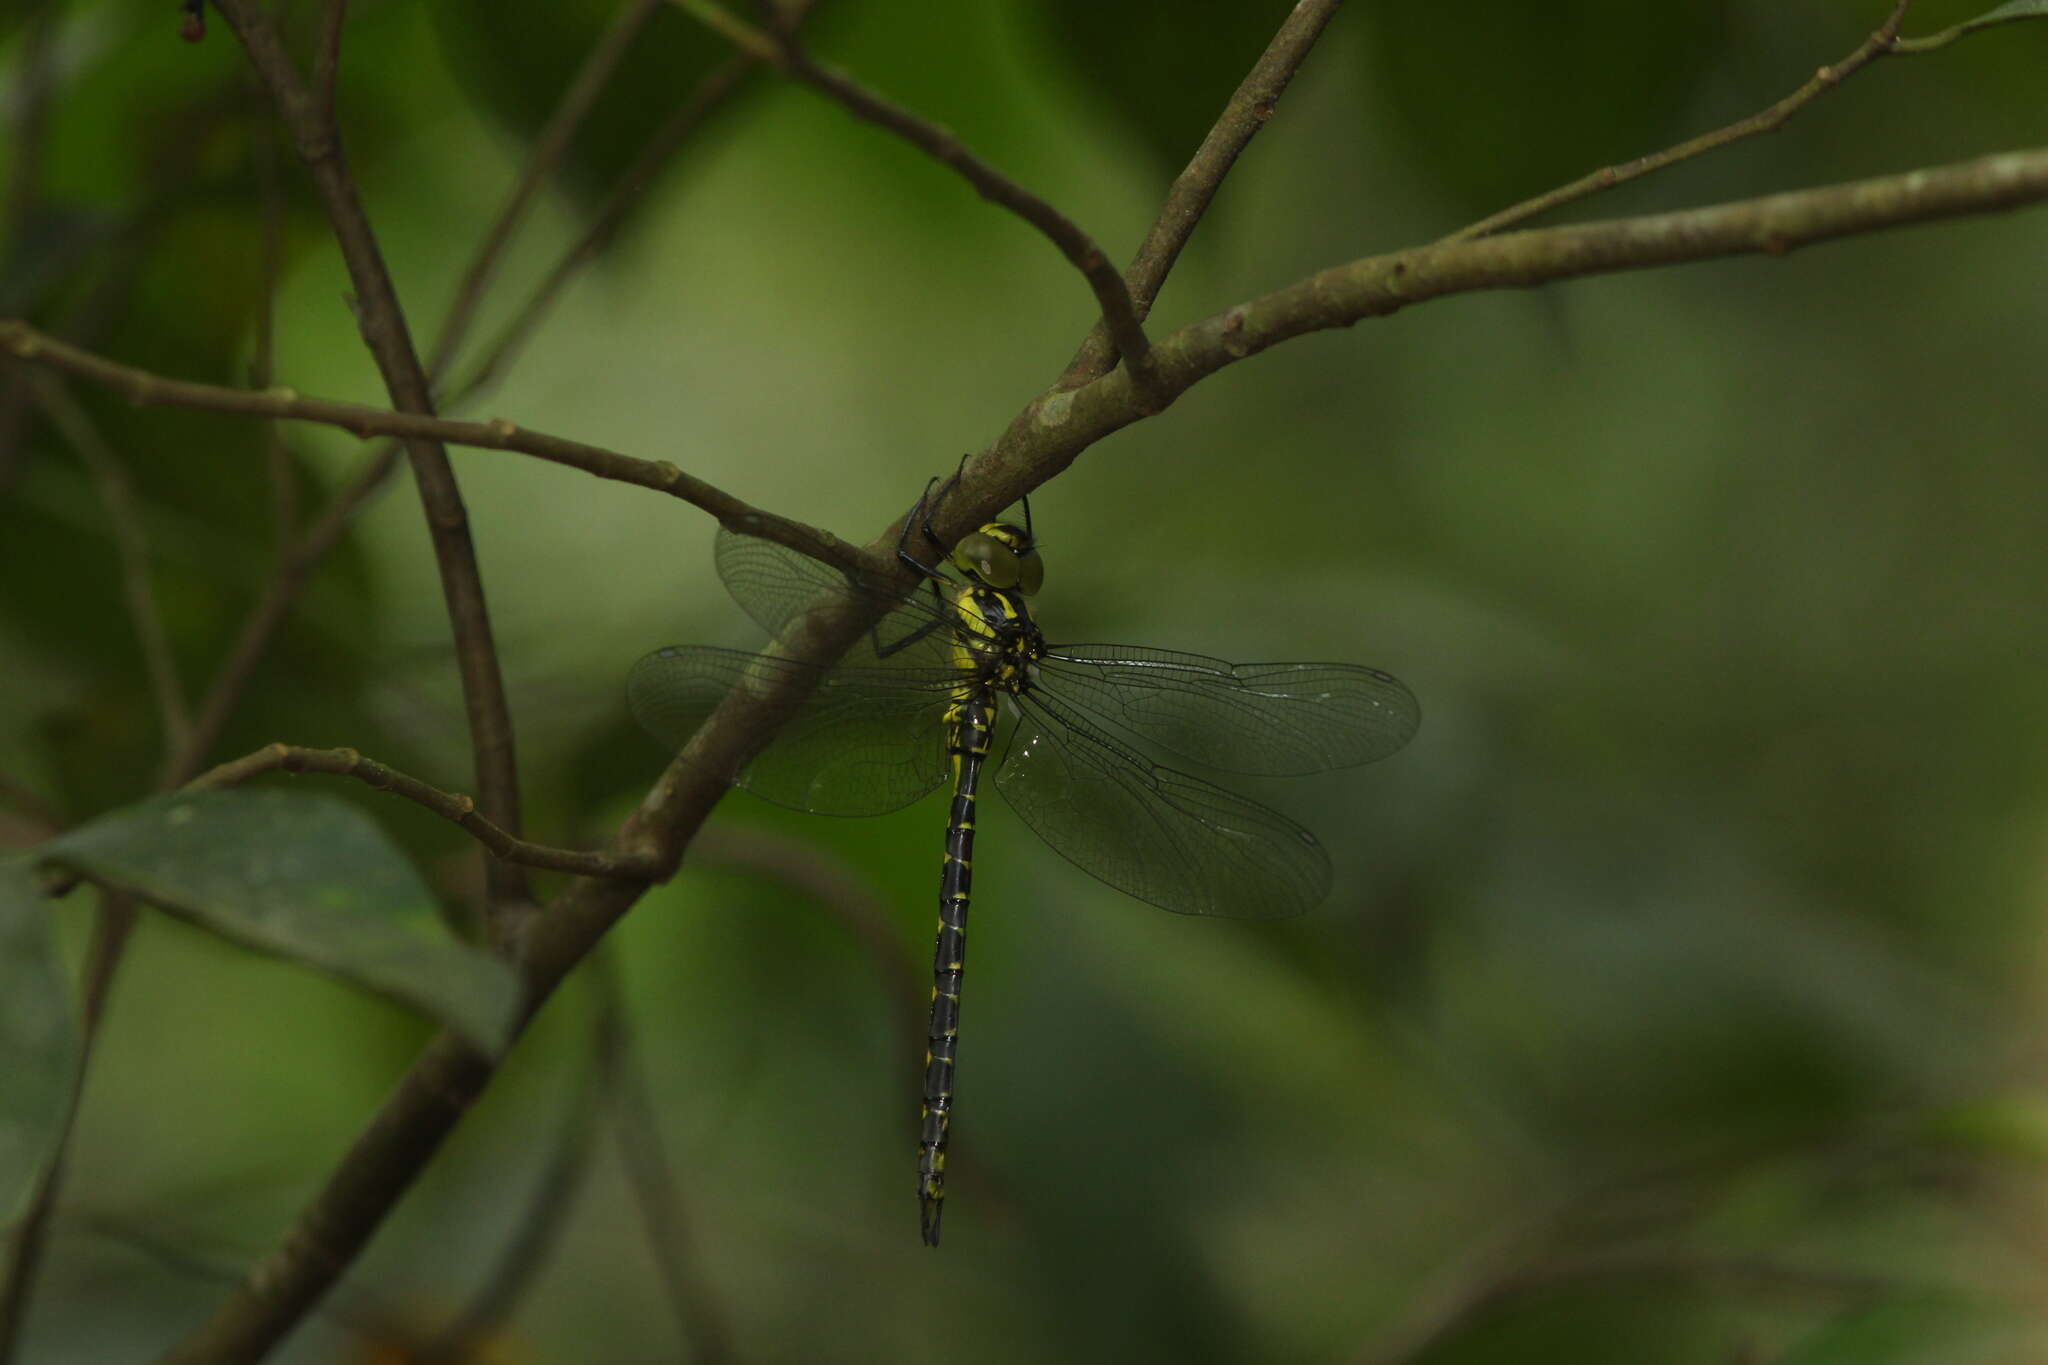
(777,587)
(1269,719)
(1163,836)
(863,742)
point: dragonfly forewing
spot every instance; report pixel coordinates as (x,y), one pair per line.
(1274,720)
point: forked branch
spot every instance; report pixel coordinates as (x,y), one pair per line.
(1194,189)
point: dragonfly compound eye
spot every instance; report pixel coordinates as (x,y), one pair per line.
(1030,573)
(988,559)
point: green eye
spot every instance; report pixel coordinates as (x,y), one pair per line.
(1030,572)
(987,559)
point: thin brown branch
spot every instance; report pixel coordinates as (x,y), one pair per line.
(1250,108)
(297,565)
(145,389)
(1934,42)
(450,806)
(382,322)
(431,1098)
(549,148)
(131,541)
(1769,120)
(1119,315)
(327,59)
(1056,427)
(700,1319)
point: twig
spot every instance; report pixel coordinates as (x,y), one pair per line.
(461,810)
(1769,120)
(431,1098)
(145,389)
(1055,428)
(700,1321)
(131,540)
(2011,13)
(381,320)
(549,148)
(327,60)
(1119,315)
(269,614)
(297,566)
(1247,113)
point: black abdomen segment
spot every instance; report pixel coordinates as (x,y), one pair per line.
(968,725)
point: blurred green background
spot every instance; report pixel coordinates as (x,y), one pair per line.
(1679,999)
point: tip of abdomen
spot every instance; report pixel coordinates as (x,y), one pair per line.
(930,1207)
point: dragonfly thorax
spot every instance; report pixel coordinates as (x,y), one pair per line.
(997,639)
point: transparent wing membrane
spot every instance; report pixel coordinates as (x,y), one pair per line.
(864,742)
(1271,719)
(1163,836)
(870,735)
(777,587)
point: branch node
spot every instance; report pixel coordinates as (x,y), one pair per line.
(1234,342)
(501,429)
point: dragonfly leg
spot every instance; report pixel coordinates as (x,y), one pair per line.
(884,648)
(920,517)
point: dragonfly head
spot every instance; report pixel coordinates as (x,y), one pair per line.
(1001,555)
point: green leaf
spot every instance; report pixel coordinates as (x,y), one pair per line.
(38,1037)
(2004,14)
(304,877)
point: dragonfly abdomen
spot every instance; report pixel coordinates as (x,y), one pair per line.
(969,730)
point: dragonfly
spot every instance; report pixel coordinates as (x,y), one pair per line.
(955,679)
